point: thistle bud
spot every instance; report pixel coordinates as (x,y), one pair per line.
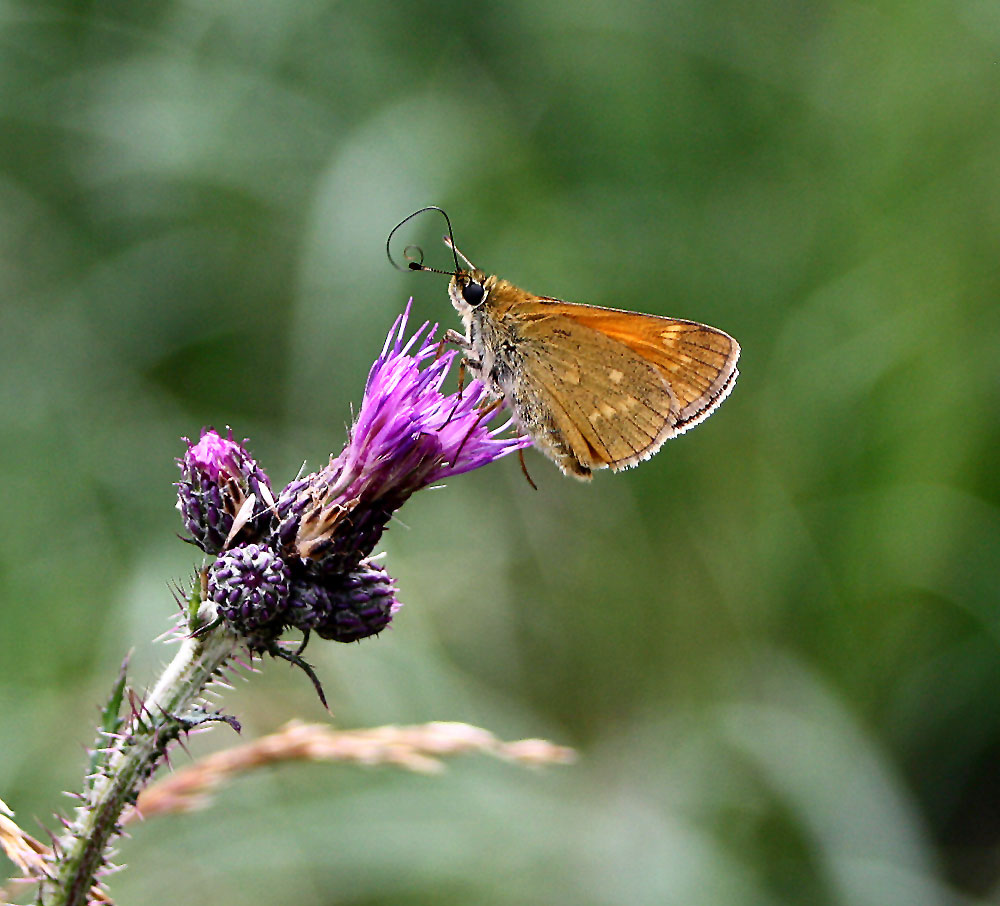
(249,586)
(223,494)
(347,608)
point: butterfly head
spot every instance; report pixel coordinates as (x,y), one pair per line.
(469,289)
(469,286)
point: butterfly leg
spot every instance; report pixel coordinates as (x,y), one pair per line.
(454,337)
(484,413)
(465,344)
(524,468)
(460,340)
(458,398)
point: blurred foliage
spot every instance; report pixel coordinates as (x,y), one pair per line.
(776,644)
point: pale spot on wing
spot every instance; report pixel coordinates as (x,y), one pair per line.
(615,375)
(607,411)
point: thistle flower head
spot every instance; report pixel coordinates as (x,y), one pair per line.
(249,585)
(221,487)
(407,435)
(344,608)
(302,560)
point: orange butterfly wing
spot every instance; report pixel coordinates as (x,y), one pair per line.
(698,361)
(616,384)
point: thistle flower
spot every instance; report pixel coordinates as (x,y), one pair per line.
(407,435)
(301,561)
(344,608)
(221,487)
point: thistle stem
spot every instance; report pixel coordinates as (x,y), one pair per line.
(169,710)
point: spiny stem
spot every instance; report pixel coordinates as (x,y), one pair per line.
(168,710)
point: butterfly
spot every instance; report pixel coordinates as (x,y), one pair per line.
(594,387)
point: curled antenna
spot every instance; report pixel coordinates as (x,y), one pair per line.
(413,254)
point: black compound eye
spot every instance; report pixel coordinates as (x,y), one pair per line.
(473,293)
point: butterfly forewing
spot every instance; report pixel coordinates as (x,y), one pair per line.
(614,385)
(699,362)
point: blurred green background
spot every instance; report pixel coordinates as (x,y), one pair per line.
(775,645)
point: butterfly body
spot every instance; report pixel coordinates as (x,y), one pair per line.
(594,387)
